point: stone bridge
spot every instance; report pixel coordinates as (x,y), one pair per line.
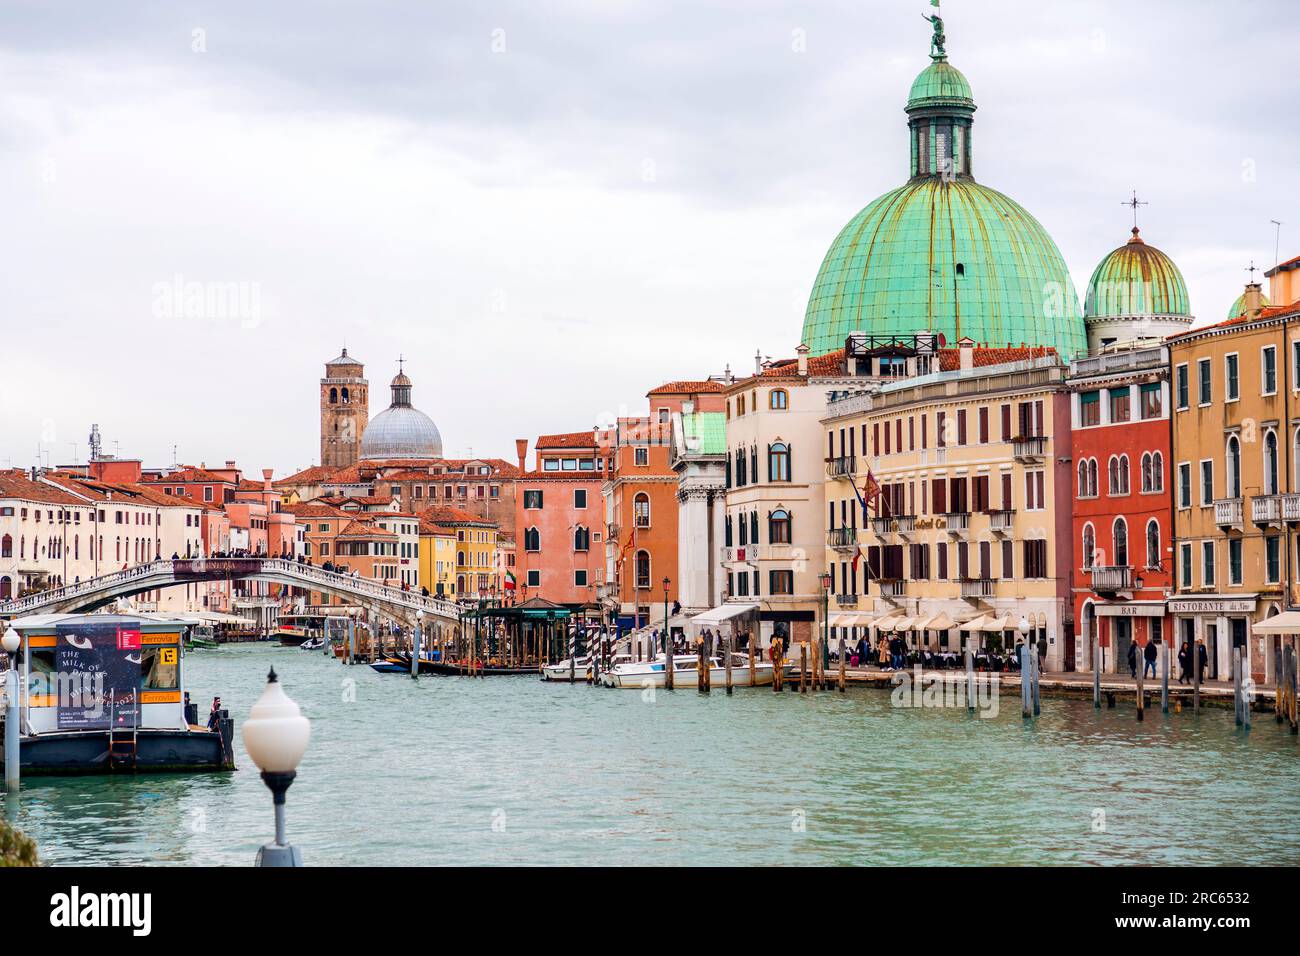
(390,602)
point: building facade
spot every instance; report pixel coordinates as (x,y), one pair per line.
(1122,510)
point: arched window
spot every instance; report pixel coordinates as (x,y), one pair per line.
(641,510)
(778,527)
(1146,471)
(1234,467)
(1092,477)
(778,399)
(1089,546)
(1153,543)
(1270,462)
(1120,532)
(581,539)
(643,570)
(1157,471)
(334,396)
(1083,478)
(1123,474)
(778,461)
(6,547)
(344,395)
(1112,476)
(532,539)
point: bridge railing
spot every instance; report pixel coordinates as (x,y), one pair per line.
(305,574)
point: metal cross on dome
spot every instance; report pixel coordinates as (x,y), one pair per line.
(1252,270)
(400,360)
(1134,203)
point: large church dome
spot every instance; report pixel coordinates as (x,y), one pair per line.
(944,253)
(401,430)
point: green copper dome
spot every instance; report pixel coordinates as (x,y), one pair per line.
(940,84)
(943,253)
(1239,305)
(1134,280)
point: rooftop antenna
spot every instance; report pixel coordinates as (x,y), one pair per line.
(1134,203)
(1277,240)
(174,459)
(95,445)
(75,460)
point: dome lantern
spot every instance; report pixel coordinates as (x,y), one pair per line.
(943,253)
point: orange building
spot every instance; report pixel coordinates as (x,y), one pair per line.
(640,497)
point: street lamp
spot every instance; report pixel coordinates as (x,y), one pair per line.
(275,736)
(827,579)
(11,642)
(668,644)
(1023,627)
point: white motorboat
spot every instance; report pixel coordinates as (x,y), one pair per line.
(637,676)
(562,670)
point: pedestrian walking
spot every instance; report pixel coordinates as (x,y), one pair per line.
(1150,654)
(1132,660)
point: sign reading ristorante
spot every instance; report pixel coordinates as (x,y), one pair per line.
(1232,605)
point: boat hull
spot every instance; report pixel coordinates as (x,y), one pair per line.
(157,751)
(638,680)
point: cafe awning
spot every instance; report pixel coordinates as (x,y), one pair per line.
(1288,622)
(722,613)
(1007,622)
(979,624)
(940,622)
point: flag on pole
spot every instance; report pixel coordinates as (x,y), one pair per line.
(510,580)
(871,487)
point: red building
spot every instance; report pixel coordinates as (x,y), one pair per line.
(1123,502)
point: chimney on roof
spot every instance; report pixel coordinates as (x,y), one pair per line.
(1253,300)
(966,349)
(802,352)
(266,478)
(521,449)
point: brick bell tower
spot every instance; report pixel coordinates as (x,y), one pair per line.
(344,411)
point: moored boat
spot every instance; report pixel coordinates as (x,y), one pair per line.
(643,674)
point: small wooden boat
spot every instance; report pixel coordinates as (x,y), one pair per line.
(453,668)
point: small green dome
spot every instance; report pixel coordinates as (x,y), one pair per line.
(1239,305)
(1136,279)
(940,84)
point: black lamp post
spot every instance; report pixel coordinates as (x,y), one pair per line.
(668,642)
(827,579)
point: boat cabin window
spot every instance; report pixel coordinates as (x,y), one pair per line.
(40,680)
(160,668)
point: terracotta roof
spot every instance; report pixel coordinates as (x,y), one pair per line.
(982,356)
(188,474)
(359,499)
(585,439)
(686,388)
(16,484)
(364,529)
(128,493)
(308,476)
(314,509)
(597,475)
(832,363)
(1270,312)
(453,516)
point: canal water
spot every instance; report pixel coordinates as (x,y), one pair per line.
(449,770)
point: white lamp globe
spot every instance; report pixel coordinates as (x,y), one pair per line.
(276,732)
(1024,625)
(11,641)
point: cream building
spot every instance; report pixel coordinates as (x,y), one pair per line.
(971,525)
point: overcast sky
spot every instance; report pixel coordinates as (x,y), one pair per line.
(550,207)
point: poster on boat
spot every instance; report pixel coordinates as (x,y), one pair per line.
(97,676)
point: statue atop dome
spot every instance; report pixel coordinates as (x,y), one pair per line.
(938,39)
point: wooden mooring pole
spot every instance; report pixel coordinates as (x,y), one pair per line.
(727,651)
(1141,690)
(841,662)
(803,667)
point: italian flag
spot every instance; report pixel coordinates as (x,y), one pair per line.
(510,580)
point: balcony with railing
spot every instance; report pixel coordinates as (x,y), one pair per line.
(842,467)
(1001,520)
(1290,508)
(1029,447)
(957,522)
(1266,510)
(1228,512)
(1108,580)
(842,539)
(882,526)
(976,588)
(892,587)
(846,600)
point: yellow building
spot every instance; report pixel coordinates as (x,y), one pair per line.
(437,558)
(969,534)
(1236,454)
(474,573)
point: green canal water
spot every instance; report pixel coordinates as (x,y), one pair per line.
(514,771)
